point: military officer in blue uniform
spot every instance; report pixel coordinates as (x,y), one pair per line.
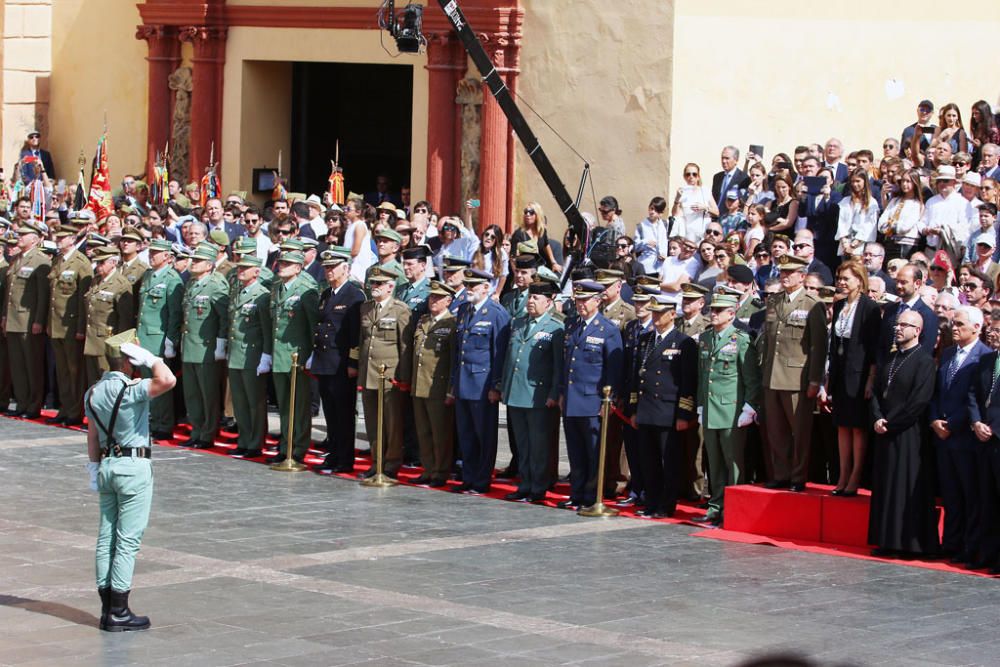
(593,359)
(663,397)
(453,270)
(337,332)
(633,332)
(531,376)
(481,337)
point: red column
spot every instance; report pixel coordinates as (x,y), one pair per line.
(444,67)
(514,59)
(493,151)
(164,57)
(206,98)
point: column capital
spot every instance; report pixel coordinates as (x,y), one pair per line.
(209,41)
(444,53)
(160,41)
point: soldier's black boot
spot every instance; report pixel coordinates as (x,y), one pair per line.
(105,594)
(120,618)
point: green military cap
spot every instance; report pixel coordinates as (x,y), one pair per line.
(104,252)
(693,291)
(29,228)
(608,276)
(245,245)
(206,251)
(792,263)
(308,243)
(219,237)
(335,255)
(242,194)
(95,240)
(114,343)
(292,257)
(65,230)
(547,274)
(250,260)
(160,244)
(442,289)
(382,274)
(292,244)
(723,301)
(527,247)
(826,293)
(390,234)
(180,252)
(131,234)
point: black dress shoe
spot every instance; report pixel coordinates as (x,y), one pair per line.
(437,483)
(995,569)
(838,492)
(228,424)
(881,552)
(708,518)
(30,415)
(461,488)
(55,420)
(702,506)
(848,494)
(516,496)
(568,505)
(204,444)
(367,474)
(239,452)
(73,422)
(12,412)
(778,484)
(157,435)
(536,498)
(628,502)
(509,472)
(421,481)
(252,453)
(797,488)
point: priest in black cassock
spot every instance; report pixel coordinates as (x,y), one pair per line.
(902,519)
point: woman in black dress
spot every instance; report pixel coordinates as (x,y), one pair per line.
(854,338)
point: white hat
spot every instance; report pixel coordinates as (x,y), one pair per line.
(945,173)
(315,202)
(973,178)
(987,238)
(400,214)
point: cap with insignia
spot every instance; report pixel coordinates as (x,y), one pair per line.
(292,244)
(113,344)
(206,251)
(693,291)
(131,234)
(792,263)
(335,255)
(545,287)
(308,243)
(584,289)
(455,264)
(727,289)
(10,239)
(826,293)
(103,252)
(545,273)
(245,245)
(442,289)
(476,277)
(527,247)
(160,244)
(382,274)
(94,240)
(525,261)
(651,281)
(250,261)
(292,257)
(219,237)
(644,292)
(65,230)
(418,252)
(49,247)
(31,227)
(661,302)
(180,252)
(83,217)
(390,234)
(608,276)
(723,301)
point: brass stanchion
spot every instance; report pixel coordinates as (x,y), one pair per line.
(599,508)
(379,478)
(290,464)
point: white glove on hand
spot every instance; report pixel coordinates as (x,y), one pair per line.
(139,356)
(92,470)
(700,410)
(220,349)
(309,362)
(746,416)
(265,364)
(168,349)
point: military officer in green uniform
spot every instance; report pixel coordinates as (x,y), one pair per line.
(120,468)
(250,346)
(387,243)
(25,315)
(203,344)
(69,281)
(516,300)
(728,397)
(294,313)
(110,310)
(415,291)
(161,314)
(248,246)
(132,266)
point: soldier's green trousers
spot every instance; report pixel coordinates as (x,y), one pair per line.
(27,372)
(126,492)
(249,407)
(724,448)
(302,412)
(69,370)
(201,397)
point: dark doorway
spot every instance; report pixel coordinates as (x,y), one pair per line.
(368,107)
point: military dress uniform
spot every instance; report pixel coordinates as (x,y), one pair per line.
(5,386)
(69,279)
(134,271)
(481,337)
(27,304)
(203,341)
(110,310)
(414,295)
(433,356)
(531,378)
(161,316)
(693,467)
(620,314)
(385,338)
(294,312)
(631,336)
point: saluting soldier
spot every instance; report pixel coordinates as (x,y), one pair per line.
(25,316)
(793,364)
(161,315)
(69,280)
(132,266)
(728,397)
(337,331)
(433,412)
(250,346)
(663,396)
(223,266)
(531,377)
(386,336)
(110,310)
(203,344)
(294,311)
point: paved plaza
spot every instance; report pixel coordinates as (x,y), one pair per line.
(242,565)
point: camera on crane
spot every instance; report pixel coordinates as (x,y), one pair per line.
(407,28)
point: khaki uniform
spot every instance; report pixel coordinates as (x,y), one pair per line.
(435,421)
(69,282)
(27,305)
(5,389)
(134,272)
(110,310)
(693,327)
(792,356)
(386,336)
(693,484)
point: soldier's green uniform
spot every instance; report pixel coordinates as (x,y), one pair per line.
(693,468)
(27,305)
(5,388)
(249,339)
(414,295)
(203,343)
(69,281)
(110,310)
(161,313)
(294,313)
(728,378)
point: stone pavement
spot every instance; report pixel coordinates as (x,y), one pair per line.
(241,565)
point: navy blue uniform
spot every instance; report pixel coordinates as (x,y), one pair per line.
(630,339)
(460,300)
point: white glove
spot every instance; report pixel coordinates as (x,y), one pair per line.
(92,470)
(309,362)
(700,410)
(265,364)
(746,416)
(220,349)
(168,349)
(139,356)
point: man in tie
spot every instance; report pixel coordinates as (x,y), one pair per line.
(730,177)
(984,414)
(955,444)
(516,303)
(33,149)
(909,279)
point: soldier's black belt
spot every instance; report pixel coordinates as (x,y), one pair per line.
(138,452)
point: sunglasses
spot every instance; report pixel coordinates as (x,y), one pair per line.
(761,254)
(489,236)
(623,245)
(714,232)
(690,173)
(604,211)
(529,211)
(420,210)
(970,286)
(284,232)
(960,163)
(888,145)
(799,246)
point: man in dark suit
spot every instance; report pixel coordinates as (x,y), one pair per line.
(33,148)
(909,278)
(731,176)
(217,220)
(382,194)
(989,165)
(313,266)
(984,415)
(955,445)
(832,152)
(822,212)
(873,257)
(804,248)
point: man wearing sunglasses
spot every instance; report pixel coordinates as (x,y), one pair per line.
(803,247)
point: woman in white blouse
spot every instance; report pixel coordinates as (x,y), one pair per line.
(358,239)
(900,221)
(858,216)
(651,237)
(693,205)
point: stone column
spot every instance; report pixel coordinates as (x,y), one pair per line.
(206,98)
(493,149)
(164,56)
(444,65)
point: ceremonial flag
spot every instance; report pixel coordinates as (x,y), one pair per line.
(210,184)
(337,185)
(100,202)
(80,198)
